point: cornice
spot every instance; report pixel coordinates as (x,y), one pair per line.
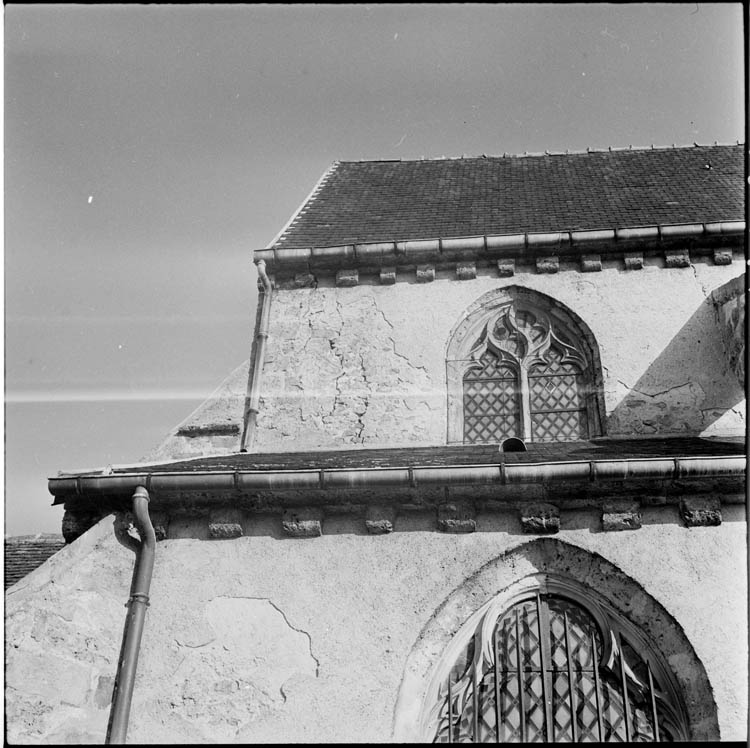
(546,249)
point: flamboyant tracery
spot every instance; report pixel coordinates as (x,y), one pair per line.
(524,371)
(554,667)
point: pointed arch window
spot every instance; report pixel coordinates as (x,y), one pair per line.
(551,667)
(525,370)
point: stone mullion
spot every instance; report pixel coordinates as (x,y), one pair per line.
(524,395)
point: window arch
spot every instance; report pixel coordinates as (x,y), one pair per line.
(551,664)
(521,365)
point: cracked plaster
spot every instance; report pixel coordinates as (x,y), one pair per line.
(262,639)
(365,366)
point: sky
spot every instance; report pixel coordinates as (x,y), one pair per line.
(149,149)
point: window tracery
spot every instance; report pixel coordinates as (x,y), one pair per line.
(522,370)
(553,665)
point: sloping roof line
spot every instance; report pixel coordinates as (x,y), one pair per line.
(536,154)
(313,192)
(24,553)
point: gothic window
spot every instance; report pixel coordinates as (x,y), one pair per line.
(524,371)
(554,667)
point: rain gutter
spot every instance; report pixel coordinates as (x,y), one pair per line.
(388,253)
(251,416)
(389,477)
(137,604)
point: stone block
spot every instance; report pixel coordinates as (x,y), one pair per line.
(387,276)
(506,267)
(550,264)
(347,277)
(633,260)
(591,263)
(466,270)
(425,273)
(302,523)
(299,280)
(621,515)
(540,519)
(700,511)
(74,524)
(224,524)
(676,258)
(722,257)
(456,517)
(380,520)
(160,521)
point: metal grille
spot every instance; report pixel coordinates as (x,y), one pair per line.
(545,682)
(491,410)
(558,409)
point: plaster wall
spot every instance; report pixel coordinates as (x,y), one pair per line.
(265,638)
(730,308)
(365,365)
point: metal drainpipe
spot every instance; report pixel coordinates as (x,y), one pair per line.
(137,604)
(248,438)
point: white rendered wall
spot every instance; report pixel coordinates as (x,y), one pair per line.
(365,365)
(270,639)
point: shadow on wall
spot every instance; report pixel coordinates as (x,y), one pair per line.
(690,388)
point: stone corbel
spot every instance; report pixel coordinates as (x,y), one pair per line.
(466,270)
(305,522)
(633,260)
(540,519)
(704,511)
(549,264)
(425,273)
(380,520)
(347,278)
(677,258)
(621,515)
(456,517)
(224,524)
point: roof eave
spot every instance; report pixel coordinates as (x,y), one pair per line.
(488,248)
(244,481)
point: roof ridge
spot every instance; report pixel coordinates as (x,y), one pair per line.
(527,154)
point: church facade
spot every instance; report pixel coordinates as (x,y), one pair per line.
(481,478)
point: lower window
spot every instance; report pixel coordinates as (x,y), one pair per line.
(552,668)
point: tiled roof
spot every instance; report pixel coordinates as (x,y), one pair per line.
(477,454)
(372,201)
(24,553)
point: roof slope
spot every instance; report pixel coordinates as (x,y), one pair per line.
(24,553)
(372,201)
(474,454)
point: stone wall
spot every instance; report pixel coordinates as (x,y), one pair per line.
(264,638)
(729,300)
(365,365)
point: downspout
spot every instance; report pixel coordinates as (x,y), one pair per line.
(137,604)
(251,419)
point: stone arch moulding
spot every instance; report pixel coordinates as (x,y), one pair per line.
(552,565)
(556,327)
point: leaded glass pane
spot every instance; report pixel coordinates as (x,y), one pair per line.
(491,410)
(546,671)
(557,404)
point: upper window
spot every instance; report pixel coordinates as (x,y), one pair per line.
(522,367)
(554,668)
